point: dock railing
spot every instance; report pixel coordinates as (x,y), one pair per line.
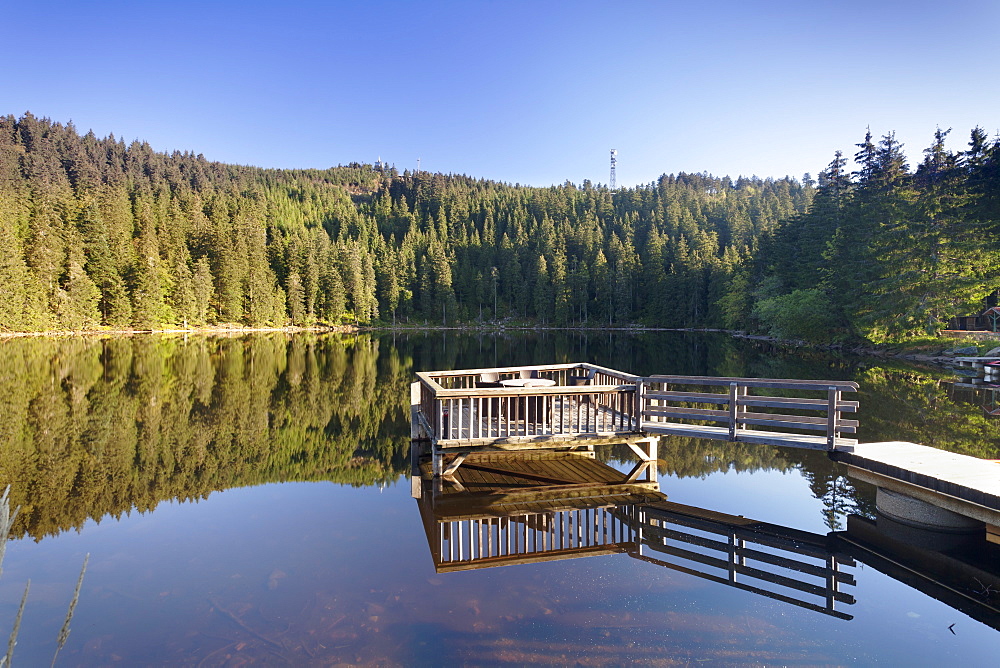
(743,412)
(461,409)
(453,410)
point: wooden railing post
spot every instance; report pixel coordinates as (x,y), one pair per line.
(734,393)
(415,410)
(640,404)
(832,417)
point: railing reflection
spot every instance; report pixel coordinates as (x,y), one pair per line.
(791,566)
(482,542)
(531,520)
(533,523)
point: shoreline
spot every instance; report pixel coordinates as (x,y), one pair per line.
(220,330)
(341,329)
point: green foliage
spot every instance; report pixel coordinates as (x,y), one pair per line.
(174,240)
(100,233)
(802,314)
(897,253)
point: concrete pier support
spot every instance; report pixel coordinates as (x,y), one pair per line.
(927,526)
(923,515)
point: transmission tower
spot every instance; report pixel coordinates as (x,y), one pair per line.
(614,159)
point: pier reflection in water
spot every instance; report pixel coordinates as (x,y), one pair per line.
(528,511)
(241,501)
(520,517)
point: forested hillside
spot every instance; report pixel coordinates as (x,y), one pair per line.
(100,233)
(886,251)
(97,232)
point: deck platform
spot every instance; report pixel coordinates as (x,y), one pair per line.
(961,484)
(579,405)
(503,482)
(574,407)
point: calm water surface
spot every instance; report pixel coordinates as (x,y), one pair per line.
(244,502)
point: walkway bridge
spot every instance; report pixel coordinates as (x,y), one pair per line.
(580,405)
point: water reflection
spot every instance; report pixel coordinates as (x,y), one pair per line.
(519,515)
(279,573)
(101,427)
(964,575)
(527,522)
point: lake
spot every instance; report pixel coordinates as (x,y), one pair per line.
(245,500)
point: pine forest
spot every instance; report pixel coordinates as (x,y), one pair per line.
(100,234)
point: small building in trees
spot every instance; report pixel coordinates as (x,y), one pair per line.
(986,320)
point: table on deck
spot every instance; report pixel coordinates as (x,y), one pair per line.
(528,382)
(534,403)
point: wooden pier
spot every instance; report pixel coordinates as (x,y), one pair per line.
(576,406)
(504,471)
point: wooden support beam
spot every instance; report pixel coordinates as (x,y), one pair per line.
(643,456)
(455,463)
(638,470)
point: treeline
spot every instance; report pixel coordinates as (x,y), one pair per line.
(884,251)
(100,233)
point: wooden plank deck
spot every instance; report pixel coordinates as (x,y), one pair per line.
(499,473)
(918,467)
(807,441)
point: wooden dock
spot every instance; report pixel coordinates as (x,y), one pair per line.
(574,407)
(580,405)
(959,484)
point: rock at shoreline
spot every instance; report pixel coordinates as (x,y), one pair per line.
(967,350)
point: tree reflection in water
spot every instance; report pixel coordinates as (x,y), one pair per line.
(95,427)
(99,427)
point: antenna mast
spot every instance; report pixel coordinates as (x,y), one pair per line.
(614,159)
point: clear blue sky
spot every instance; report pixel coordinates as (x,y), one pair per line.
(528,92)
